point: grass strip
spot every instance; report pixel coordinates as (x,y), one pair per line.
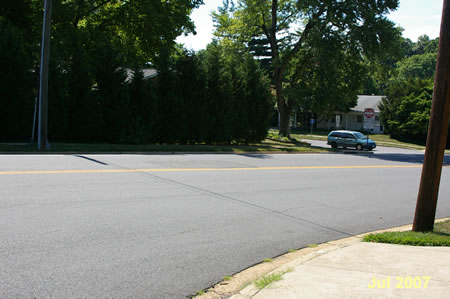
(439,237)
(264,146)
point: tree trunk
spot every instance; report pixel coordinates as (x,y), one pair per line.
(285,130)
(283,109)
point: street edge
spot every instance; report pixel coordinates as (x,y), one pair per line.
(239,288)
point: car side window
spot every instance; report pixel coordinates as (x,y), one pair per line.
(335,134)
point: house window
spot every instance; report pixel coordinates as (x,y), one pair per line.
(359,119)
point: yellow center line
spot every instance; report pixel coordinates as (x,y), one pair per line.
(75,171)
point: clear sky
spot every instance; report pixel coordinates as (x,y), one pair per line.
(416,17)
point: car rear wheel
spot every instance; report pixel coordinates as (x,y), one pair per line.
(333,144)
(359,147)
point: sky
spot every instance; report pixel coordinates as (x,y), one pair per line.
(416,17)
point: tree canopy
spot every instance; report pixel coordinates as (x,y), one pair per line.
(91,40)
(318,55)
(289,32)
(405,111)
(98,91)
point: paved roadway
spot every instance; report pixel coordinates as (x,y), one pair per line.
(166,226)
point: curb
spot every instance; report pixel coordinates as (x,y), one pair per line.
(163,153)
(238,288)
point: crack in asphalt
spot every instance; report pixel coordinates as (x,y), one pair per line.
(236,200)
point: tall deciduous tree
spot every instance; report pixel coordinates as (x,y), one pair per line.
(290,28)
(405,112)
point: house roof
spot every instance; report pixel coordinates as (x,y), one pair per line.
(148,73)
(367,102)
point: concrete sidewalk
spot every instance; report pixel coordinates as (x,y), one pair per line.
(350,268)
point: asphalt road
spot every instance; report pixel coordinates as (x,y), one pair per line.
(166,226)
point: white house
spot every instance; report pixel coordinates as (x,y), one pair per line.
(354,120)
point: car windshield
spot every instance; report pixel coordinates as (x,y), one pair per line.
(359,135)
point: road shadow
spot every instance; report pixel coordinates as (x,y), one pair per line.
(90,159)
(400,157)
(257,156)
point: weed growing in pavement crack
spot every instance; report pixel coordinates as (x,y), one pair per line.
(268,279)
(199,293)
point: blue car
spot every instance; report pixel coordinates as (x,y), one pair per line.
(343,138)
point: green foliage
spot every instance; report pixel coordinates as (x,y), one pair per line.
(143,107)
(191,84)
(424,45)
(111,94)
(259,101)
(171,106)
(238,96)
(405,111)
(420,66)
(302,45)
(220,95)
(326,70)
(17,84)
(413,60)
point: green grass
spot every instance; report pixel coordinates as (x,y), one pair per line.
(439,237)
(312,245)
(267,260)
(228,277)
(264,146)
(267,280)
(385,140)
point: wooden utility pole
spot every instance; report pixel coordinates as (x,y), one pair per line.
(437,132)
(43,82)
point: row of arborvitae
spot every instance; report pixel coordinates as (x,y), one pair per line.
(216,96)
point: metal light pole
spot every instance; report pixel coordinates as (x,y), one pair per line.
(437,132)
(43,82)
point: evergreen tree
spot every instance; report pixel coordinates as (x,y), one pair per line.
(260,102)
(220,96)
(192,87)
(141,127)
(111,94)
(17,84)
(172,125)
